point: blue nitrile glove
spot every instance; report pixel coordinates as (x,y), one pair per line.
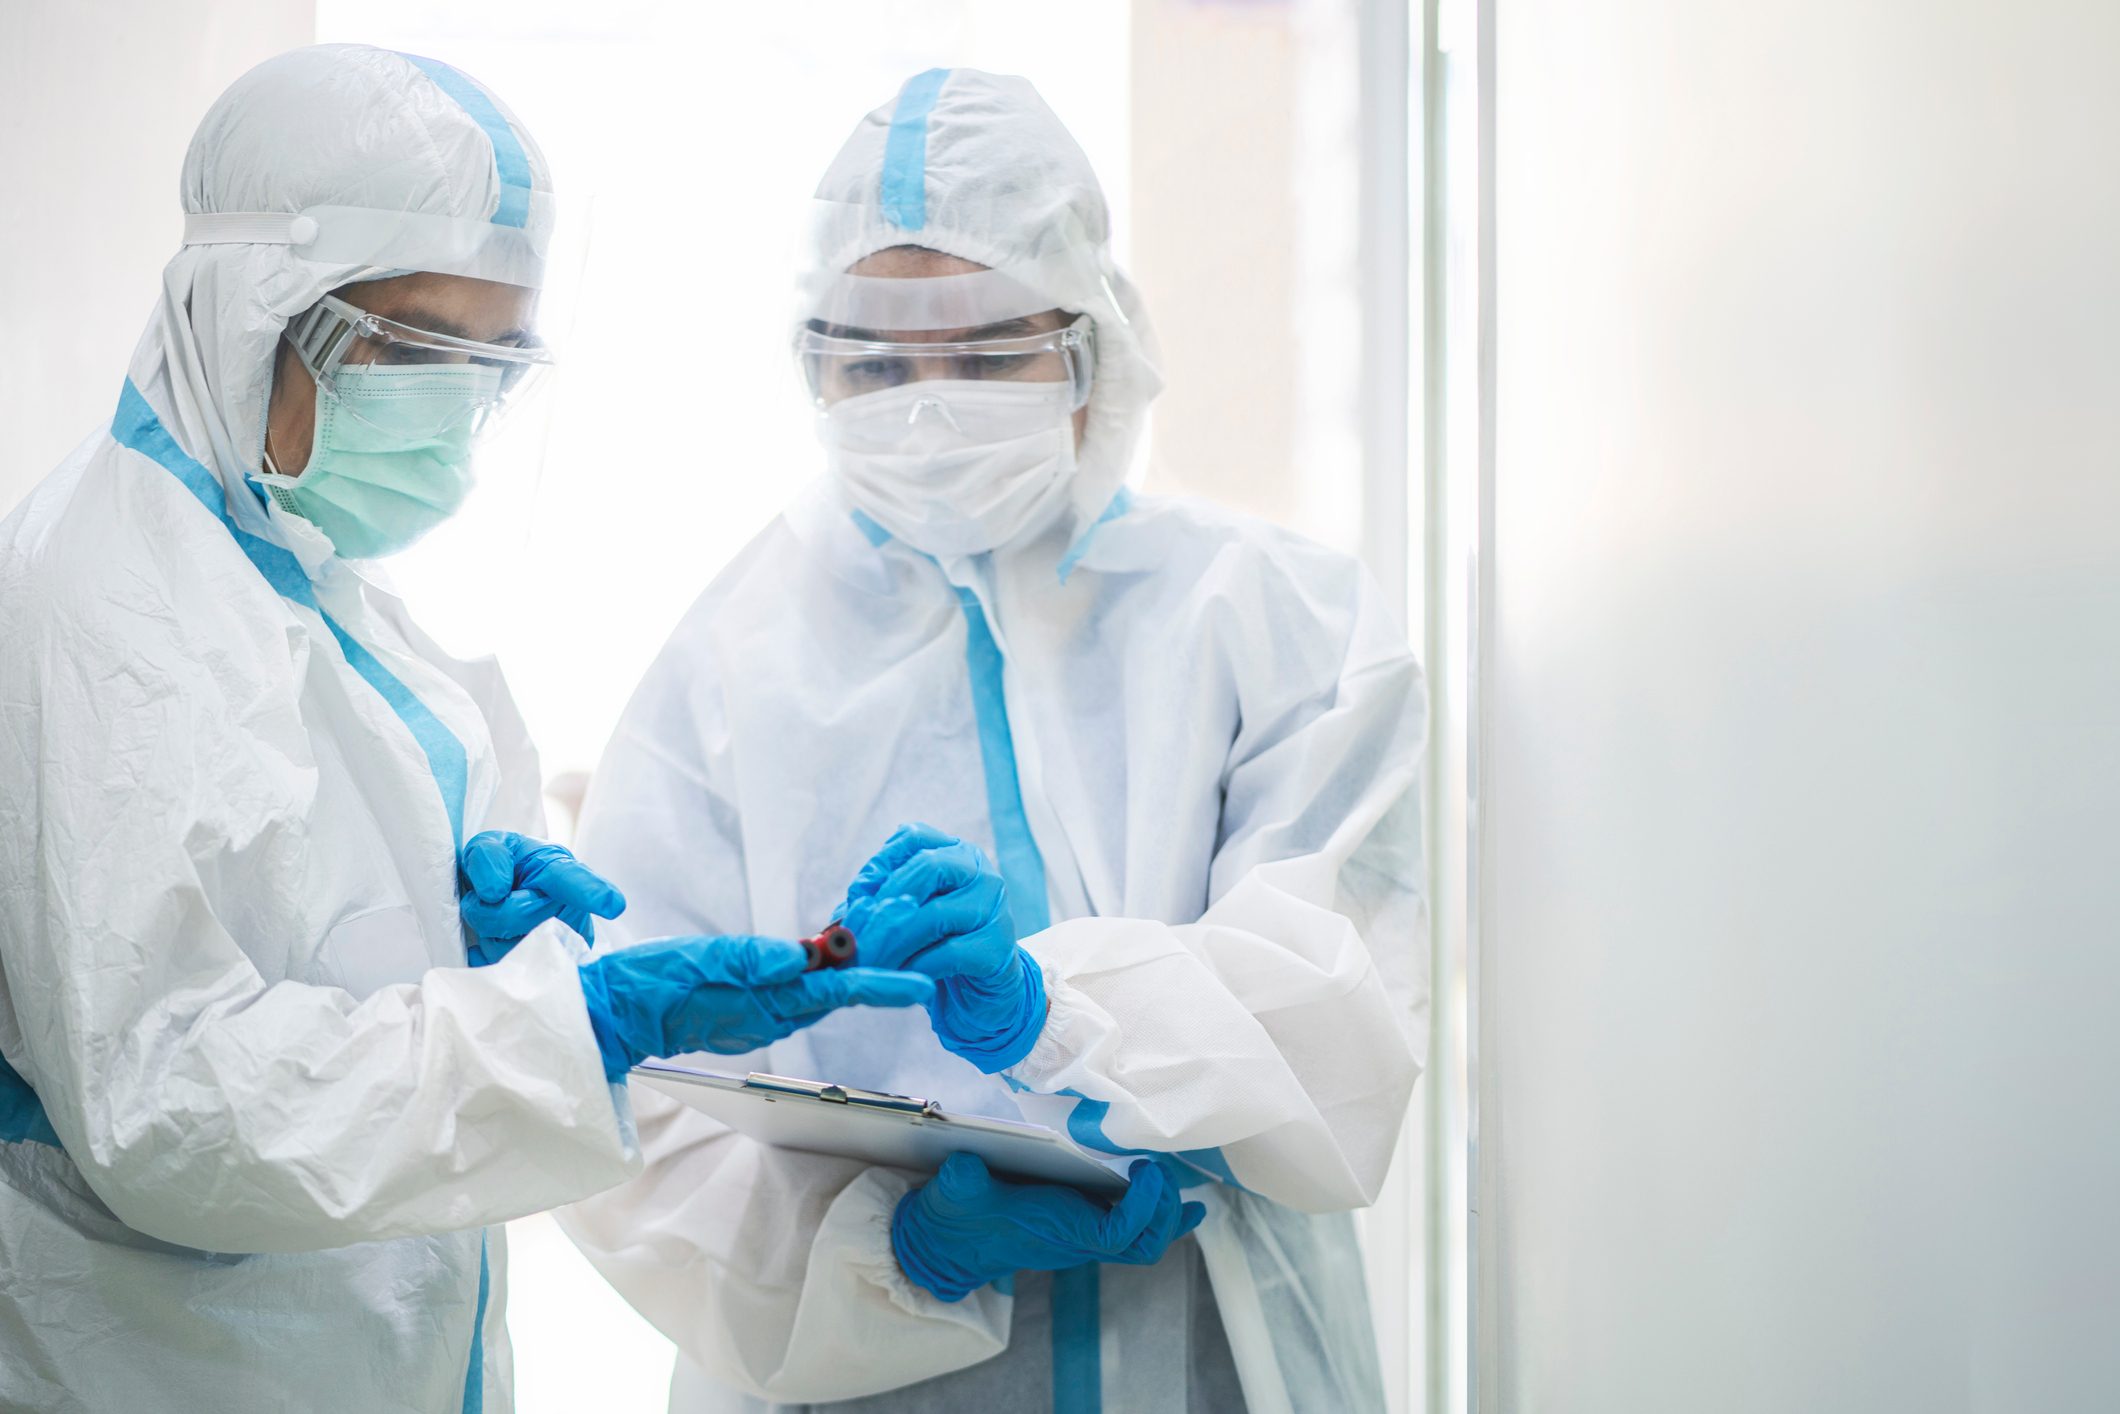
(730,995)
(965,1227)
(510,883)
(928,902)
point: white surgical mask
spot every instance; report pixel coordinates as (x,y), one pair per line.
(955,467)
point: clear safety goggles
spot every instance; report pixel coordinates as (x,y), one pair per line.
(333,334)
(840,363)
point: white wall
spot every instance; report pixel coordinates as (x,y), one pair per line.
(98,99)
(1245,204)
(1801,788)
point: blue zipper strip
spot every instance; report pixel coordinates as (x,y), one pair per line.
(1022,866)
(1078,1380)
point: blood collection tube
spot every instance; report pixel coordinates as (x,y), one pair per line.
(834,947)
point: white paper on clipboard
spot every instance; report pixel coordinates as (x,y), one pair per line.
(897,1131)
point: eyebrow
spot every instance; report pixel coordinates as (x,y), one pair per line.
(454,330)
(1006,329)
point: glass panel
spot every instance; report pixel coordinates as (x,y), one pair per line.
(1797,968)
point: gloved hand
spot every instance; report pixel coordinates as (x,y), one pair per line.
(510,883)
(730,995)
(928,902)
(966,1228)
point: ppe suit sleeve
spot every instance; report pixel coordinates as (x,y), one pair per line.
(1275,1041)
(764,1267)
(204,1105)
(773,1270)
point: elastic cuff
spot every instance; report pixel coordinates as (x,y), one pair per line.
(618,1063)
(1021,1000)
(916,1266)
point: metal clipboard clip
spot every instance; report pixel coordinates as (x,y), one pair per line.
(842,1095)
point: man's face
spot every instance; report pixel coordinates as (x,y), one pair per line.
(455,305)
(917,263)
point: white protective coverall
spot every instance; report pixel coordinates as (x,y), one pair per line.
(258,1123)
(1192,742)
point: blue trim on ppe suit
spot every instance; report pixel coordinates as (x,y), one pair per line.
(136,426)
(22,1113)
(510,163)
(904,193)
(1121,502)
(1085,1125)
(474,1381)
(1078,1380)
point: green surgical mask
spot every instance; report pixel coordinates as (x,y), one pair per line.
(391,458)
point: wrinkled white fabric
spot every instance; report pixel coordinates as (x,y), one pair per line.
(1218,732)
(231,967)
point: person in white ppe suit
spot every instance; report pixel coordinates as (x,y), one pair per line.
(258,1120)
(1189,740)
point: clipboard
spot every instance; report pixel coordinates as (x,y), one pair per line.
(896,1131)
